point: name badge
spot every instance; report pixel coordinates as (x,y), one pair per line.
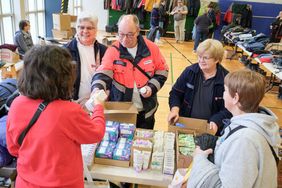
(148,62)
(190,86)
(119,63)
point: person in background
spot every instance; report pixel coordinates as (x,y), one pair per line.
(246,155)
(202,24)
(212,16)
(276,29)
(23,39)
(154,20)
(87,52)
(198,91)
(133,69)
(162,13)
(179,15)
(50,154)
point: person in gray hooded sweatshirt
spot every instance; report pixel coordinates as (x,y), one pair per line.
(245,158)
(23,39)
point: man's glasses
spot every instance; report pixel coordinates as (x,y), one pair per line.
(88,28)
(128,35)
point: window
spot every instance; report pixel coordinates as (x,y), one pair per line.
(35,13)
(75,7)
(7,25)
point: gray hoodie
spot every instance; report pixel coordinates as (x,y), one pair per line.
(23,41)
(245,158)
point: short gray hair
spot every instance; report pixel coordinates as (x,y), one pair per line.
(133,16)
(87,16)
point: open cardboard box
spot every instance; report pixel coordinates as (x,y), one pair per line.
(123,112)
(60,34)
(183,161)
(61,21)
(9,56)
(198,125)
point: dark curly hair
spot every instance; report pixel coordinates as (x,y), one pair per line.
(47,74)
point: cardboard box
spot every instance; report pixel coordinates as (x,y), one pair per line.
(111,162)
(124,112)
(57,34)
(61,21)
(8,56)
(192,125)
(183,161)
(73,18)
(198,125)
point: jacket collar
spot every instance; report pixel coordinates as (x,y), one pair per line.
(73,45)
(142,50)
(220,73)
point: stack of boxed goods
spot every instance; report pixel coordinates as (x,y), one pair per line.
(154,150)
(185,146)
(62,26)
(115,148)
(117,141)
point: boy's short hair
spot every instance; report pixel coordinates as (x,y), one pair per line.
(250,87)
(213,47)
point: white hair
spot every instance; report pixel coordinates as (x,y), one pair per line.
(87,16)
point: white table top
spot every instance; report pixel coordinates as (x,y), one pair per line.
(244,49)
(271,68)
(129,175)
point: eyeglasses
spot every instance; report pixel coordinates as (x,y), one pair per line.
(88,28)
(205,58)
(128,35)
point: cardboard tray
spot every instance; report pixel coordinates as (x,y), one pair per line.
(183,161)
(198,125)
(123,112)
(111,162)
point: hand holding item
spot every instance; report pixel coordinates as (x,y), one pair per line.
(198,151)
(206,141)
(146,91)
(97,97)
(173,115)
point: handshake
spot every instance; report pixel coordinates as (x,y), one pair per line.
(97,97)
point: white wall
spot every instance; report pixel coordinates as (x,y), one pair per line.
(97,6)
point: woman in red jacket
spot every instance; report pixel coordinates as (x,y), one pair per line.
(50,154)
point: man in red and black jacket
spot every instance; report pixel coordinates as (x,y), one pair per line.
(133,69)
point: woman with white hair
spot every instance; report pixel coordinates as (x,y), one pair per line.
(87,53)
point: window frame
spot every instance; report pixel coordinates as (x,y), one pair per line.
(3,39)
(28,14)
(75,7)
